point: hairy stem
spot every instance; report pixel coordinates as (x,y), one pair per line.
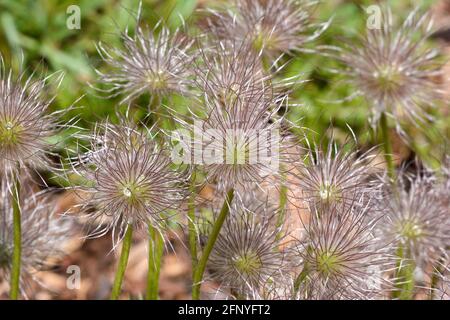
(283,203)
(17,251)
(404,277)
(299,280)
(159,115)
(191,225)
(387,146)
(123,261)
(198,274)
(155,252)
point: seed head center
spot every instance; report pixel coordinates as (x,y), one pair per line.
(132,191)
(127,192)
(388,77)
(327,263)
(327,191)
(410,230)
(248,262)
(156,80)
(9,133)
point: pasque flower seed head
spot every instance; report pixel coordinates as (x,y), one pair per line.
(271,26)
(393,68)
(414,218)
(131,179)
(335,176)
(246,255)
(157,63)
(342,258)
(25,124)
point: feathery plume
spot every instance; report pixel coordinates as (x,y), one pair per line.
(236,142)
(414,219)
(342,258)
(393,68)
(335,176)
(272,26)
(246,255)
(25,124)
(150,62)
(230,69)
(131,180)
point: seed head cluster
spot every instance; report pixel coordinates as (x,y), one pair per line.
(300,221)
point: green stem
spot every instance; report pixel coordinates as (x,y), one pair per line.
(160,115)
(155,252)
(191,225)
(283,203)
(15,271)
(154,108)
(433,284)
(404,277)
(302,276)
(387,146)
(126,245)
(198,274)
(299,280)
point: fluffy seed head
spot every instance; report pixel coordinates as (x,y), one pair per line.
(25,124)
(150,62)
(230,69)
(131,180)
(393,69)
(273,26)
(413,218)
(234,142)
(246,255)
(342,259)
(335,176)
